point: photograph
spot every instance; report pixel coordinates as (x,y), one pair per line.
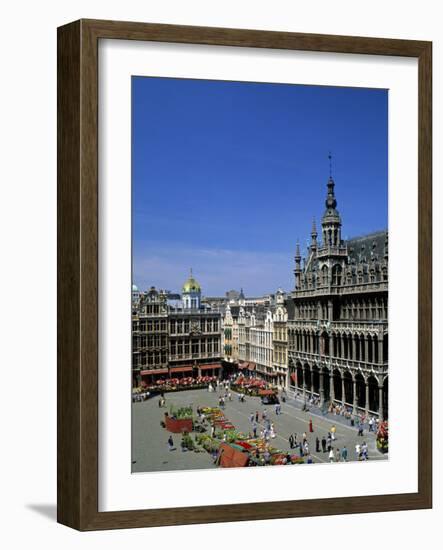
(259,274)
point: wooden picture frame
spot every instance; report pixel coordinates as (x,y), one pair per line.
(78,274)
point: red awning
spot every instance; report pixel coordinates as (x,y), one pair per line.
(209,367)
(266,392)
(181,369)
(154,371)
(232,458)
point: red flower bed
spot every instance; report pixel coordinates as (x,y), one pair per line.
(245,445)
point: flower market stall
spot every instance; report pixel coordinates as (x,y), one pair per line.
(180,420)
(163,385)
(383,437)
(251,386)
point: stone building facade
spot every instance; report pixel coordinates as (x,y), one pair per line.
(150,336)
(173,341)
(280,340)
(338,317)
(262,340)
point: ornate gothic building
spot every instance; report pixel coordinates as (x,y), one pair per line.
(338,317)
(174,340)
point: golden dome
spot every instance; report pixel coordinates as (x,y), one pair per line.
(191,285)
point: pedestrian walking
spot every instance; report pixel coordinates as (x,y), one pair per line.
(329,442)
(170,443)
(357,451)
(337,455)
(364,451)
(311,429)
(305,437)
(251,418)
(317,445)
(331,455)
(344,454)
(291,441)
(309,459)
(333,430)
(323,444)
(256,416)
(360,430)
(295,440)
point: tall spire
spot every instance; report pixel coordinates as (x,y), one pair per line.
(331,222)
(331,201)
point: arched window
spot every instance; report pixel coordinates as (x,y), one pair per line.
(324,275)
(336,275)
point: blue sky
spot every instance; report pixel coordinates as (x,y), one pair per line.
(226,176)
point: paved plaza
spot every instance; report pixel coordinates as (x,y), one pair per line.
(149,440)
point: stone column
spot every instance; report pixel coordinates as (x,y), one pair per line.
(366,397)
(353,352)
(343,397)
(354,396)
(331,386)
(380,350)
(366,348)
(374,343)
(381,412)
(330,310)
(321,387)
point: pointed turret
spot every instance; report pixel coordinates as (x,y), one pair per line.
(314,235)
(297,270)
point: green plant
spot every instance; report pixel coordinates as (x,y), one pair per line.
(181,413)
(187,442)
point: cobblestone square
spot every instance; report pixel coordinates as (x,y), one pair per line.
(149,442)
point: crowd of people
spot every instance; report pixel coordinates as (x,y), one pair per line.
(263,428)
